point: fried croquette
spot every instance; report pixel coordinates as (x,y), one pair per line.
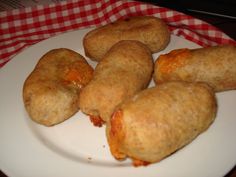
(149,30)
(51,91)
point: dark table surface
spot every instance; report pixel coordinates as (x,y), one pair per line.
(224,17)
(227,25)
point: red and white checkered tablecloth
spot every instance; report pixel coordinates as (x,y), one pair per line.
(21,28)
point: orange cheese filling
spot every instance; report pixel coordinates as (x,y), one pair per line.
(116,135)
(168,63)
(96,120)
(79,73)
(138,163)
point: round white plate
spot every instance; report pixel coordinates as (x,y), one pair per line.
(76,148)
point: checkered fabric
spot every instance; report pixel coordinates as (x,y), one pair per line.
(21,28)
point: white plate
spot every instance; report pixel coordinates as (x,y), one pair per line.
(76,148)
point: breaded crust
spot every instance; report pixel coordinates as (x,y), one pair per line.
(160,120)
(51,91)
(125,70)
(213,65)
(149,30)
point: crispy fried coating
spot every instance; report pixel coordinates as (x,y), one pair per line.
(213,65)
(151,31)
(51,91)
(160,120)
(125,70)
